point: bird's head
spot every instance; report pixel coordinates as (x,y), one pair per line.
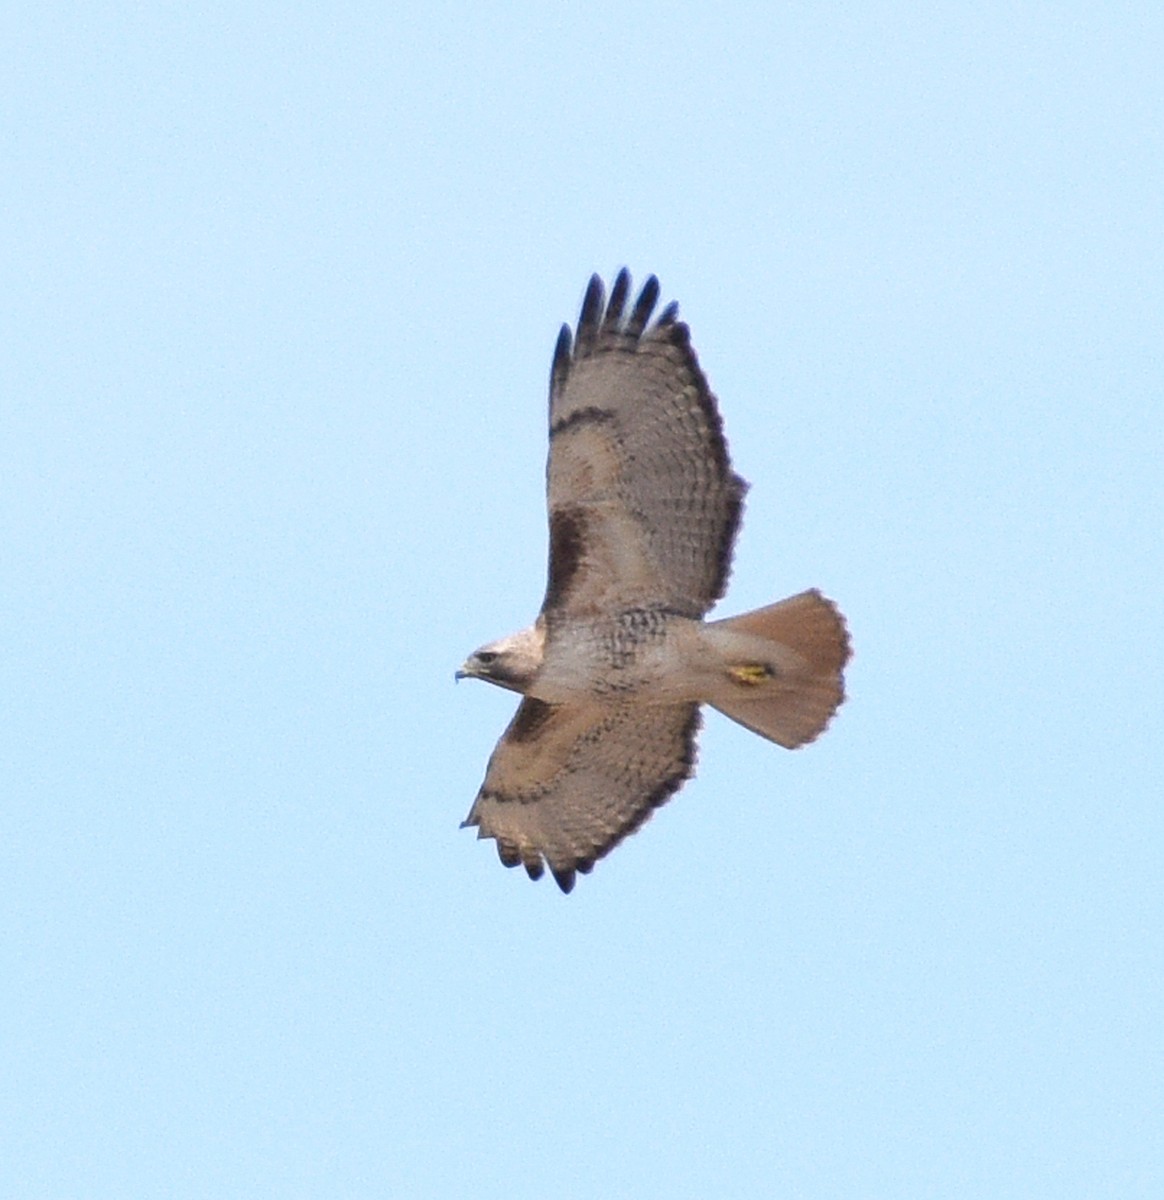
(510,663)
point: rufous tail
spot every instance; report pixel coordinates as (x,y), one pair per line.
(782,667)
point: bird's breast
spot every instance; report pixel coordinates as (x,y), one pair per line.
(635,654)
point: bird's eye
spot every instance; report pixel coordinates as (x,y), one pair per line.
(485,657)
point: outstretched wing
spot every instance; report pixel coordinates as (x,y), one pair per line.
(567,783)
(643,502)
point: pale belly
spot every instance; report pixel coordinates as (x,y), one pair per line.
(649,656)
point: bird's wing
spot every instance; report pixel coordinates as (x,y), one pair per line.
(643,503)
(567,783)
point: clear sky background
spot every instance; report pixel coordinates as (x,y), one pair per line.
(280,285)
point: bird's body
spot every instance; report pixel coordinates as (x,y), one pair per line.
(644,509)
(639,653)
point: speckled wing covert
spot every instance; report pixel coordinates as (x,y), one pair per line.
(567,783)
(643,503)
(643,509)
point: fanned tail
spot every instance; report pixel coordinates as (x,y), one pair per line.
(782,667)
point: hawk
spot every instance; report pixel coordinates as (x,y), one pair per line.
(644,508)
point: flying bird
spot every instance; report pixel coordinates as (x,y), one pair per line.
(644,507)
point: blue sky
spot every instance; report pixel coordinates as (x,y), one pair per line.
(279,286)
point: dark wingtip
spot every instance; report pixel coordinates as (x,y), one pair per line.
(561,363)
(564,879)
(617,300)
(591,315)
(601,319)
(644,306)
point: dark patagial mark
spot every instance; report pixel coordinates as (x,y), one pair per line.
(568,529)
(531,718)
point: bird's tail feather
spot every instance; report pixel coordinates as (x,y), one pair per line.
(783,667)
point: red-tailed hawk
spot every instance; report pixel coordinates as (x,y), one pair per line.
(643,508)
